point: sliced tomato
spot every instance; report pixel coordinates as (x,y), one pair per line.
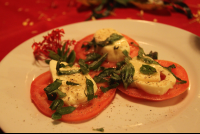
(82,113)
(178,89)
(81,52)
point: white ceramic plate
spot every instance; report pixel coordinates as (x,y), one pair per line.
(125,114)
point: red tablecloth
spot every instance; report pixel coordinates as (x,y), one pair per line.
(23,19)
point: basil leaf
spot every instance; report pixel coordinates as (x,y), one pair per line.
(90,89)
(105,89)
(65,110)
(59,93)
(56,116)
(99,79)
(59,52)
(71,83)
(99,129)
(63,48)
(53,86)
(115,77)
(92,57)
(110,40)
(47,61)
(89,45)
(179,79)
(125,52)
(153,55)
(71,58)
(97,64)
(127,73)
(65,55)
(54,55)
(69,72)
(56,104)
(106,72)
(62,111)
(148,70)
(84,67)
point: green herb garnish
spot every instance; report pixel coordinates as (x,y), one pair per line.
(98,129)
(71,83)
(110,40)
(148,70)
(90,89)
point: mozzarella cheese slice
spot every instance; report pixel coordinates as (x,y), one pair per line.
(75,94)
(152,84)
(114,50)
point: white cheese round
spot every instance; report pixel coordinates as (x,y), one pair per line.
(75,94)
(114,50)
(152,84)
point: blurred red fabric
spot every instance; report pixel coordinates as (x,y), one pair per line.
(23,19)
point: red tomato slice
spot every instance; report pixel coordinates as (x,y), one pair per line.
(82,113)
(178,89)
(81,53)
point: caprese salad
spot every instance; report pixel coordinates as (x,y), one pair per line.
(84,75)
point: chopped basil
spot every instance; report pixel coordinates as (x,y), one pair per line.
(105,89)
(61,55)
(92,57)
(110,40)
(116,47)
(96,64)
(56,104)
(148,70)
(127,73)
(153,55)
(71,58)
(169,69)
(90,89)
(84,67)
(54,55)
(62,111)
(69,72)
(89,45)
(51,87)
(98,129)
(71,83)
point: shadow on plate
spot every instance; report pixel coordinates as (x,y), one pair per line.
(165,103)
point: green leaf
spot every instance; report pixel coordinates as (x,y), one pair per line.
(110,40)
(53,86)
(92,57)
(56,104)
(99,129)
(71,83)
(59,52)
(127,73)
(72,57)
(179,79)
(148,70)
(63,48)
(69,72)
(97,64)
(54,55)
(65,110)
(105,89)
(99,79)
(56,116)
(153,55)
(62,111)
(59,93)
(90,89)
(83,66)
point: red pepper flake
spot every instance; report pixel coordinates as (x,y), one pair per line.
(51,42)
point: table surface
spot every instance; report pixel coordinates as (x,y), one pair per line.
(23,19)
